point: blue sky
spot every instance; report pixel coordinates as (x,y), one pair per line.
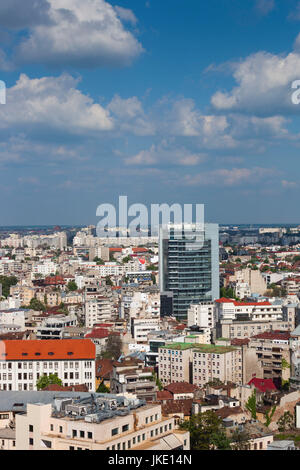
(162,101)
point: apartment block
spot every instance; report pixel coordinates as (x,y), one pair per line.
(98,423)
(22,363)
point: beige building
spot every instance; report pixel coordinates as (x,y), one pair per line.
(174,363)
(273,352)
(217,362)
(245,329)
(253,278)
(70,427)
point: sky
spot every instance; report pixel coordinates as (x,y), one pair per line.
(162,101)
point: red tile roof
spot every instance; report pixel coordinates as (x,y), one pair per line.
(180,387)
(276,334)
(177,406)
(71,388)
(104,367)
(263,385)
(239,341)
(98,333)
(224,300)
(164,395)
(41,350)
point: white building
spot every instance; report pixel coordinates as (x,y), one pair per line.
(97,311)
(140,327)
(201,315)
(13,317)
(22,363)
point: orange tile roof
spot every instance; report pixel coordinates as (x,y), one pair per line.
(41,350)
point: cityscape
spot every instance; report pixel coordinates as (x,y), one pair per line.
(150,228)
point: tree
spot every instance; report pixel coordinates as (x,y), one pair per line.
(99,261)
(7,282)
(269,415)
(251,404)
(285,422)
(108,281)
(151,267)
(126,259)
(102,388)
(72,286)
(37,305)
(206,431)
(45,380)
(157,381)
(240,440)
(113,348)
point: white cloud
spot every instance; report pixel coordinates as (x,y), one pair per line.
(126,15)
(80,34)
(289,184)
(263,85)
(228,177)
(130,116)
(54,103)
(165,152)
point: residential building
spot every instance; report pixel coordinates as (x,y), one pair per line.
(22,363)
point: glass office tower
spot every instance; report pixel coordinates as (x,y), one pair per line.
(189,268)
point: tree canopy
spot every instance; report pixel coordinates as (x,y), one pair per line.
(46,380)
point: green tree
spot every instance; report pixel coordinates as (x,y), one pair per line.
(157,381)
(72,286)
(251,404)
(113,349)
(151,267)
(269,415)
(240,440)
(45,380)
(7,282)
(285,422)
(206,431)
(108,281)
(99,261)
(37,305)
(126,259)
(102,388)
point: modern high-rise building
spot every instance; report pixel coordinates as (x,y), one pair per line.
(189,267)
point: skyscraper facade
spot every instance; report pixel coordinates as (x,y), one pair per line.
(189,268)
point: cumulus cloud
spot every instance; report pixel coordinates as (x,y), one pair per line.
(126,15)
(53,103)
(19,14)
(263,85)
(228,177)
(130,116)
(165,153)
(75,33)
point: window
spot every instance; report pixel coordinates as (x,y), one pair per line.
(125,427)
(81,434)
(115,431)
(31,442)
(30,428)
(90,435)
